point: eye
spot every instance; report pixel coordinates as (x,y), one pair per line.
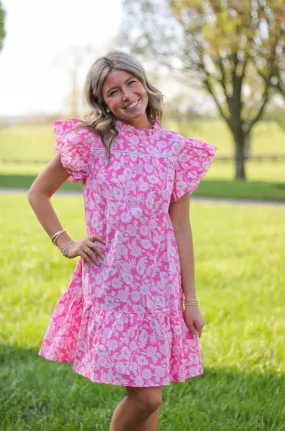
(113,92)
(132,81)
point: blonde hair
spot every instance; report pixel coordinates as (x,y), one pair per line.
(99,120)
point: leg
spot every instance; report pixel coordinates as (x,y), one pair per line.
(138,411)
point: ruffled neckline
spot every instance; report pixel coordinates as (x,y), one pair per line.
(142,133)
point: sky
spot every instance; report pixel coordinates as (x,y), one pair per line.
(33,78)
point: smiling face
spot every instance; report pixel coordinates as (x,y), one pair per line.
(126,97)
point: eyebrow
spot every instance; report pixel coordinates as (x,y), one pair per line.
(113,88)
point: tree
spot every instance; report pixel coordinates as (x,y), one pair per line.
(73,60)
(2,25)
(233,49)
(181,109)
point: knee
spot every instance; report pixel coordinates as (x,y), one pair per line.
(146,403)
(151,403)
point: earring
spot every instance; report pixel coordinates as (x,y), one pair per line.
(108,110)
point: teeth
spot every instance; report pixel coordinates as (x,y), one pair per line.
(132,105)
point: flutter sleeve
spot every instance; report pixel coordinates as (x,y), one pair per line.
(74,147)
(193,161)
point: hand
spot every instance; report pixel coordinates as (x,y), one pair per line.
(194,319)
(86,249)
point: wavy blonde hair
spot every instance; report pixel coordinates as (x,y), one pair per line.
(99,120)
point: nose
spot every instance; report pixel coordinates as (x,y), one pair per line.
(126,95)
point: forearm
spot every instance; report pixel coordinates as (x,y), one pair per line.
(184,241)
(47,217)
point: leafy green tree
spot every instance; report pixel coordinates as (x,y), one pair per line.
(233,49)
(2,25)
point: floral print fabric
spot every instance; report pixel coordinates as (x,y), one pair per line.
(122,322)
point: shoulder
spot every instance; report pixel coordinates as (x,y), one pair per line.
(182,143)
(69,131)
(172,138)
(173,141)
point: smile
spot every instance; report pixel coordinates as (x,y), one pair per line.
(132,105)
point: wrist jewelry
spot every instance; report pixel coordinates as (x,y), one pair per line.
(56,235)
(67,247)
(190,302)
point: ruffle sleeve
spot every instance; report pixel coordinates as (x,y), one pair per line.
(74,147)
(193,161)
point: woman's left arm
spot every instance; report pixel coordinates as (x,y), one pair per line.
(179,213)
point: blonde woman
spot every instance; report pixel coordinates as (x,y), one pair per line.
(129,316)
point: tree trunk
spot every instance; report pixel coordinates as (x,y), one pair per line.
(247,146)
(239,139)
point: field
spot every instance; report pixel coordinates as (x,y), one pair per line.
(240,278)
(266,180)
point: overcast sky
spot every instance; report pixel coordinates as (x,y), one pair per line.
(38,33)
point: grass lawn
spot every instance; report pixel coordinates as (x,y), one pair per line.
(36,142)
(240,281)
(266,180)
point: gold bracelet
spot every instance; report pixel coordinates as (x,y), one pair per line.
(55,240)
(190,301)
(190,305)
(56,235)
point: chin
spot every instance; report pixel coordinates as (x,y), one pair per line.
(130,118)
(137,115)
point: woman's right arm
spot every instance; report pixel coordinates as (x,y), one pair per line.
(45,185)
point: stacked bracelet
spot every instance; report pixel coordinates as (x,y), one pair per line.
(191,302)
(67,247)
(56,235)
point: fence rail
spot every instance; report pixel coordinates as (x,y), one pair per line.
(256,157)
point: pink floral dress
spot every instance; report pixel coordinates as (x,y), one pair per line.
(122,323)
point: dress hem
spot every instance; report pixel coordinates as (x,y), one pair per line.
(117,383)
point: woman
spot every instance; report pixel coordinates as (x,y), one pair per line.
(130,316)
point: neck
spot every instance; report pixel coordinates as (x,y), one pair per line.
(139,123)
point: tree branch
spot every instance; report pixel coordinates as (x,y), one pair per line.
(210,89)
(258,116)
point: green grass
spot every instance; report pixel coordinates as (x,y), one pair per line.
(212,186)
(266,138)
(27,142)
(36,142)
(265,180)
(239,253)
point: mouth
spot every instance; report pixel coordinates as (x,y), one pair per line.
(132,105)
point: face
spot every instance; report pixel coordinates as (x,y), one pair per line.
(126,97)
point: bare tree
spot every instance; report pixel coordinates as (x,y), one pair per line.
(73,60)
(230,48)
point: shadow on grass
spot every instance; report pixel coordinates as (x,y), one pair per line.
(38,394)
(259,190)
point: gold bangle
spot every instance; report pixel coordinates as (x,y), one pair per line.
(55,240)
(190,301)
(56,235)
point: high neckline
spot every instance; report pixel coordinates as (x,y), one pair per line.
(142,133)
